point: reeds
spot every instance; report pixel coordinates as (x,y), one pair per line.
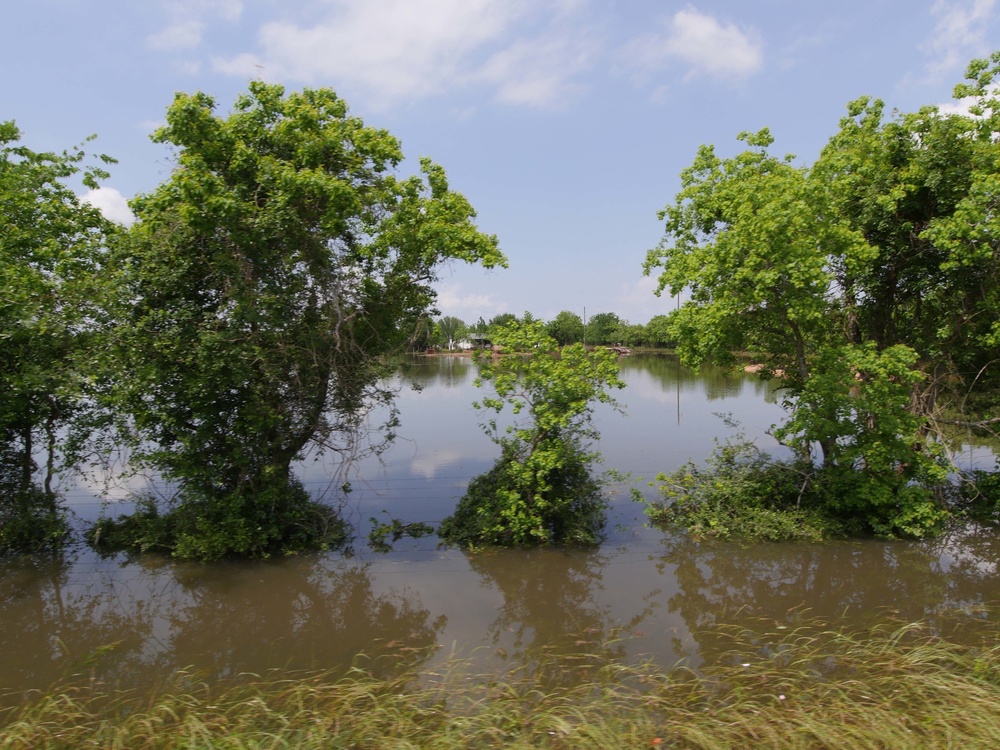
(903,686)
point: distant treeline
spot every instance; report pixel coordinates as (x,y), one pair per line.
(601,329)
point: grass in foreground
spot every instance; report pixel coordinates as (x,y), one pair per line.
(812,687)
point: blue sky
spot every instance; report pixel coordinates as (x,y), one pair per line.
(565,122)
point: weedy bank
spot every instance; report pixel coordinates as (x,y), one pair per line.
(891,685)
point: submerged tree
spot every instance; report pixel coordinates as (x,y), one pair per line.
(867,282)
(541,490)
(50,248)
(258,294)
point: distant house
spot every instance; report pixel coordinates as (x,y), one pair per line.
(473,342)
(480,342)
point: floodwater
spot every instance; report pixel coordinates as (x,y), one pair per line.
(645,593)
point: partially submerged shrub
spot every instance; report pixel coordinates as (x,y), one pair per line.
(979,494)
(379,537)
(506,507)
(281,519)
(744,492)
(31,520)
(541,490)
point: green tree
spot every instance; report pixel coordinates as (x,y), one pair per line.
(541,490)
(449,330)
(51,247)
(920,188)
(866,282)
(657,332)
(500,321)
(628,334)
(258,294)
(566,328)
(601,329)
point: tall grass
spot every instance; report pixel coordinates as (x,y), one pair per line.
(903,686)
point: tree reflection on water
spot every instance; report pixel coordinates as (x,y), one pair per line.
(552,607)
(845,583)
(219,620)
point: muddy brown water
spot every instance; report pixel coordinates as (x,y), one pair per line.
(643,593)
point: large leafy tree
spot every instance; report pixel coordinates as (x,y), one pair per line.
(259,292)
(868,282)
(51,245)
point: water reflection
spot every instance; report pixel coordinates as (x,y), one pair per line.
(645,593)
(844,582)
(549,597)
(300,614)
(56,624)
(444,371)
(154,617)
(714,383)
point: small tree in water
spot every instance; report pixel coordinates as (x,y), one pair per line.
(541,489)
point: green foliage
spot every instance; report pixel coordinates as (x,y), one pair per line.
(541,490)
(878,472)
(743,492)
(517,505)
(31,520)
(566,328)
(500,321)
(657,332)
(449,330)
(378,537)
(274,521)
(628,334)
(258,296)
(979,495)
(869,282)
(51,248)
(603,328)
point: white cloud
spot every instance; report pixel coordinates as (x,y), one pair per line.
(243,65)
(960,33)
(227,10)
(468,307)
(151,126)
(958,107)
(188,21)
(111,203)
(181,35)
(427,465)
(538,72)
(705,45)
(187,67)
(395,51)
(637,303)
